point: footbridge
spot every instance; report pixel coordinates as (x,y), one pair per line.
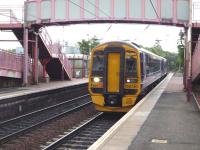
(41,13)
(51,12)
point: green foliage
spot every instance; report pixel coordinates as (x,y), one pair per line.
(171,57)
(13,50)
(86,45)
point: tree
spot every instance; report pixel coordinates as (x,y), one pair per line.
(171,57)
(86,45)
(94,42)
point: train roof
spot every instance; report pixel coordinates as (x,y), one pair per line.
(138,47)
(144,50)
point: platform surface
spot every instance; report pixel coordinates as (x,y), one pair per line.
(14,92)
(164,120)
(173,121)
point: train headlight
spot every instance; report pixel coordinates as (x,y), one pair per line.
(96,79)
(128,80)
(131,80)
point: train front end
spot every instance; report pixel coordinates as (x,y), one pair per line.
(114,78)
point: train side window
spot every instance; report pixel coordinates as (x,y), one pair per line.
(153,65)
(142,64)
(147,64)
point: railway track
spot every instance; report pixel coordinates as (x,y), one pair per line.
(27,103)
(18,126)
(85,134)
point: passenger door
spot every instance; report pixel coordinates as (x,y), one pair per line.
(113,73)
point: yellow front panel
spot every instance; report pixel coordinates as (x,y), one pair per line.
(98,99)
(113,72)
(128,101)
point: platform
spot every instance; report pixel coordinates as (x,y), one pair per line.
(163,120)
(14,92)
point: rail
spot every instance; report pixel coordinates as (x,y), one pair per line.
(33,120)
(85,134)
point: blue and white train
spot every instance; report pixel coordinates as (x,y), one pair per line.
(121,71)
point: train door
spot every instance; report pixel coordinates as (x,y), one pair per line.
(114,76)
(113,73)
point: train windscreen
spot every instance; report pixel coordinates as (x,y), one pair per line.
(98,63)
(131,66)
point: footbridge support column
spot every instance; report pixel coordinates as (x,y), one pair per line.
(188,62)
(35,71)
(189,54)
(25,63)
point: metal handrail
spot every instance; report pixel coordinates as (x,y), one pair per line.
(66,64)
(11,61)
(56,49)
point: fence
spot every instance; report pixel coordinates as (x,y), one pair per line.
(11,61)
(79,65)
(195,60)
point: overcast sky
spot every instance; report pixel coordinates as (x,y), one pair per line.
(141,34)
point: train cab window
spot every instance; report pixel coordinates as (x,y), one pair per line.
(98,63)
(131,66)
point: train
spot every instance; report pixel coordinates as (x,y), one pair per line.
(120,72)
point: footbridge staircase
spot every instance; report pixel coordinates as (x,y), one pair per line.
(54,62)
